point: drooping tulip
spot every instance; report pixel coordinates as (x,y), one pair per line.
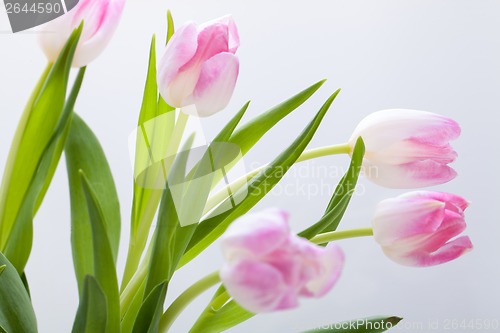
(100,18)
(268,268)
(418,228)
(199,67)
(407,148)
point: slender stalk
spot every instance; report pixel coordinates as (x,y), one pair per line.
(221,195)
(336,235)
(175,309)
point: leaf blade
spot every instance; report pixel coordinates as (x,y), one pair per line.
(104,265)
(209,230)
(84,152)
(92,311)
(16,311)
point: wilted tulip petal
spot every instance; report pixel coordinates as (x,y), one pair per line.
(100,18)
(417,229)
(407,148)
(199,67)
(268,267)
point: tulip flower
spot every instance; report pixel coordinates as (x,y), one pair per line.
(407,148)
(268,267)
(100,18)
(418,228)
(199,67)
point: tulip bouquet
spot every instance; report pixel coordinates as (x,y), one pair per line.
(267,266)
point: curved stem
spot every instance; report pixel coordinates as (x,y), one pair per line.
(221,195)
(336,235)
(175,309)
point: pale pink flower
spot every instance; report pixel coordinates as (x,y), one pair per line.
(100,18)
(418,228)
(199,67)
(407,148)
(268,267)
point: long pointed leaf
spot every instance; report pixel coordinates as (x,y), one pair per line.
(19,242)
(104,265)
(84,152)
(35,131)
(16,311)
(91,316)
(341,197)
(151,310)
(209,230)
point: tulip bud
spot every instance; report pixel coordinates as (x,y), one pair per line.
(268,267)
(416,229)
(199,67)
(407,148)
(100,21)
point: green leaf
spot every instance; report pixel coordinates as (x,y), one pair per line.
(16,311)
(104,265)
(341,197)
(83,152)
(155,127)
(170,26)
(129,314)
(250,133)
(151,310)
(365,325)
(91,316)
(211,229)
(19,242)
(35,132)
(221,314)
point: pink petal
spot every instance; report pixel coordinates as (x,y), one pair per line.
(179,51)
(256,235)
(331,264)
(216,84)
(401,218)
(234,38)
(453,202)
(410,175)
(452,225)
(212,40)
(101,35)
(413,150)
(256,286)
(383,128)
(450,251)
(101,19)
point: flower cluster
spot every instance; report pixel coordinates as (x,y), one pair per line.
(267,267)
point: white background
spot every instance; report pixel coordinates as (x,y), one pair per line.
(440,56)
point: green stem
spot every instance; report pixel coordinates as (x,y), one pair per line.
(175,309)
(221,195)
(336,235)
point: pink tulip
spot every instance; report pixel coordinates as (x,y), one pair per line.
(268,267)
(416,229)
(100,18)
(407,148)
(199,67)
